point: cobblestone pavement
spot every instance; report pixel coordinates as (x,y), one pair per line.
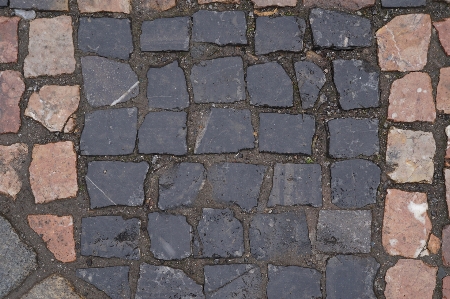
(224,149)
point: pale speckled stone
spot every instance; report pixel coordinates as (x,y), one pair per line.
(11,90)
(342,4)
(434,244)
(443,91)
(9,42)
(53,287)
(11,164)
(104,5)
(266,3)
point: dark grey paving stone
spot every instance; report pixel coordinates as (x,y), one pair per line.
(108,82)
(166,34)
(279,34)
(3,3)
(39,4)
(269,85)
(340,231)
(167,87)
(356,83)
(233,281)
(296,184)
(109,37)
(219,80)
(310,80)
(221,235)
(354,183)
(351,277)
(225,131)
(286,133)
(17,259)
(164,282)
(403,3)
(222,28)
(163,133)
(179,186)
(237,183)
(114,183)
(111,280)
(170,236)
(293,283)
(339,30)
(109,132)
(279,236)
(110,236)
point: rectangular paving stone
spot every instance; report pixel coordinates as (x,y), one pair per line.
(352,5)
(9,40)
(111,280)
(12,89)
(310,79)
(266,3)
(86,6)
(166,34)
(403,3)
(4,3)
(40,4)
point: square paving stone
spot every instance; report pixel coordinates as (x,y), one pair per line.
(163,133)
(286,133)
(86,6)
(40,4)
(110,236)
(296,184)
(279,236)
(111,280)
(310,80)
(279,34)
(356,83)
(403,3)
(113,183)
(109,37)
(340,231)
(222,28)
(109,132)
(219,80)
(166,34)
(269,85)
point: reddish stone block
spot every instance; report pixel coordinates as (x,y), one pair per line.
(9,42)
(443,29)
(343,4)
(443,91)
(11,164)
(434,244)
(104,5)
(446,287)
(11,90)
(446,246)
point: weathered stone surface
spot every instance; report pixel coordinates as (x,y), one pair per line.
(3,3)
(9,41)
(403,43)
(446,287)
(40,4)
(11,90)
(443,29)
(443,91)
(102,5)
(53,287)
(50,48)
(310,80)
(53,171)
(409,156)
(25,14)
(446,245)
(11,165)
(342,4)
(111,280)
(403,3)
(447,188)
(53,105)
(265,3)
(434,244)
(219,1)
(166,34)
(293,282)
(159,5)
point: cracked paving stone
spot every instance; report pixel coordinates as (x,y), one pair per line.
(352,5)
(163,133)
(166,282)
(434,244)
(180,185)
(11,90)
(286,133)
(12,159)
(296,184)
(443,29)
(339,30)
(279,236)
(159,5)
(237,183)
(403,3)
(53,287)
(102,5)
(109,132)
(268,84)
(341,231)
(446,245)
(310,79)
(166,34)
(266,3)
(443,91)
(108,37)
(279,34)
(357,84)
(293,282)
(9,42)
(233,281)
(40,4)
(403,43)
(225,131)
(108,82)
(110,236)
(111,280)
(113,183)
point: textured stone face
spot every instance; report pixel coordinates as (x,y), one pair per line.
(53,287)
(11,165)
(344,4)
(434,244)
(40,4)
(11,90)
(447,187)
(443,91)
(443,29)
(403,3)
(104,5)
(293,282)
(220,1)
(166,34)
(9,42)
(310,80)
(265,3)
(446,246)
(159,5)
(446,287)
(111,280)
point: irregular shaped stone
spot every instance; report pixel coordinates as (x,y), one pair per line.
(53,105)
(446,287)
(447,188)
(434,244)
(286,133)
(111,280)
(40,4)
(166,34)
(357,84)
(310,79)
(443,29)
(71,125)
(53,171)
(443,91)
(446,245)
(109,132)
(9,41)
(279,34)
(179,186)
(110,236)
(50,48)
(11,168)
(108,82)
(342,4)
(278,236)
(25,14)
(403,3)
(11,90)
(53,287)
(114,183)
(293,282)
(409,156)
(403,43)
(265,3)
(225,131)
(159,5)
(102,5)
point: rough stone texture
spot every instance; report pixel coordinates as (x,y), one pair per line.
(296,184)
(409,156)
(11,90)
(341,231)
(114,183)
(166,34)
(403,43)
(159,5)
(11,168)
(25,14)
(218,1)
(446,287)
(411,99)
(50,48)
(293,282)
(40,4)
(53,171)
(446,245)
(434,244)
(310,79)
(102,5)
(447,188)
(111,280)
(9,42)
(403,3)
(351,277)
(53,287)
(53,105)
(4,3)
(265,3)
(340,4)
(443,29)
(279,236)
(443,91)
